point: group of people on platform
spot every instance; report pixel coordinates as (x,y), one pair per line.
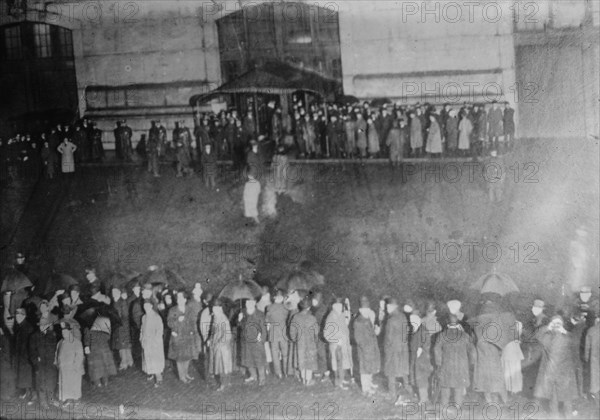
(434,350)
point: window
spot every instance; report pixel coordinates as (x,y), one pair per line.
(64,42)
(43,42)
(12,43)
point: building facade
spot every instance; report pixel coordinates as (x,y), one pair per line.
(142,60)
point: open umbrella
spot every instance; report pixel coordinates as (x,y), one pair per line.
(14,280)
(377,102)
(347,100)
(495,283)
(241,289)
(163,275)
(58,281)
(88,312)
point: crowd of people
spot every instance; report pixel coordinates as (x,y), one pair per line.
(58,149)
(315,130)
(434,351)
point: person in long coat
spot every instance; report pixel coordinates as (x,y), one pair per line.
(250,198)
(361,135)
(66,149)
(182,323)
(556,379)
(221,357)
(373,138)
(369,357)
(337,334)
(22,333)
(395,141)
(465,128)
(395,347)
(69,362)
(591,355)
(304,331)
(416,134)
(453,351)
(319,310)
(48,160)
(493,329)
(42,352)
(451,131)
(276,319)
(121,334)
(100,361)
(512,356)
(434,137)
(151,340)
(421,367)
(350,128)
(253,333)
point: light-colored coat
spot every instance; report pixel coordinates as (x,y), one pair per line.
(151,339)
(221,360)
(69,361)
(67,149)
(465,127)
(337,334)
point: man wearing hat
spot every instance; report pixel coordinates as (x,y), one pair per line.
(395,348)
(585,304)
(42,349)
(556,379)
(253,335)
(532,349)
(276,318)
(369,358)
(117,132)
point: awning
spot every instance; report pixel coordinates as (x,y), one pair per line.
(274,78)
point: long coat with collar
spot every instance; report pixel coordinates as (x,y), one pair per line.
(304,331)
(453,350)
(369,357)
(182,346)
(253,349)
(556,376)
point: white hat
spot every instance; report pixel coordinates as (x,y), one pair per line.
(454,306)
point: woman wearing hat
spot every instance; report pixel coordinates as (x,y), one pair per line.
(337,333)
(151,340)
(69,361)
(219,342)
(304,331)
(369,359)
(42,351)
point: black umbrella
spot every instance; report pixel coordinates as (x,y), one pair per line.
(166,276)
(14,280)
(59,281)
(241,289)
(347,100)
(377,102)
(88,312)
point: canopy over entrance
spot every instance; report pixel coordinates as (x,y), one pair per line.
(274,78)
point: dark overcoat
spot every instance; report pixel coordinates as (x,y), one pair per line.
(453,350)
(304,331)
(369,357)
(253,349)
(395,345)
(182,347)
